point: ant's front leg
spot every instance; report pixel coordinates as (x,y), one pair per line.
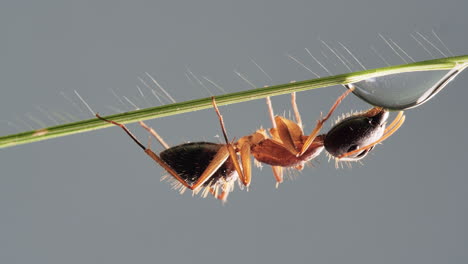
(321,121)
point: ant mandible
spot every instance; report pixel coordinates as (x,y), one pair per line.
(208,167)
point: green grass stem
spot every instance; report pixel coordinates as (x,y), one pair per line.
(232,98)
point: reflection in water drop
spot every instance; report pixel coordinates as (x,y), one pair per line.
(404,90)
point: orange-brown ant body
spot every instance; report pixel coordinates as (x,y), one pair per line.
(214,168)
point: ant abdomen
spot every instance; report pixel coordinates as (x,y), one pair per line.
(190,160)
(356,132)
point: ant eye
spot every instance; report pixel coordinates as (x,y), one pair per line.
(352,148)
(360,154)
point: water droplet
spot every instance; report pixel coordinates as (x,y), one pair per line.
(404,90)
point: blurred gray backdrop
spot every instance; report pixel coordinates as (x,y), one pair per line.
(97,198)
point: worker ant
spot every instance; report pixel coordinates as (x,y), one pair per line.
(214,167)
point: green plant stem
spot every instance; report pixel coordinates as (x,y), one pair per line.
(232,98)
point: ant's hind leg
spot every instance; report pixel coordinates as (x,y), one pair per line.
(125,129)
(149,152)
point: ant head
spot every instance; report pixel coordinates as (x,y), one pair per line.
(355,132)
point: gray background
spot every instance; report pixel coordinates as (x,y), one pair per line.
(96,197)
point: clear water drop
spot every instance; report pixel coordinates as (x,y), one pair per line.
(404,90)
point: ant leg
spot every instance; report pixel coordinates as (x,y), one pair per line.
(277,170)
(154,134)
(278,173)
(125,129)
(245,174)
(288,132)
(297,115)
(284,130)
(392,128)
(218,160)
(321,121)
(246,178)
(274,129)
(270,111)
(149,152)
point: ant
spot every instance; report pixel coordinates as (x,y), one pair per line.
(210,167)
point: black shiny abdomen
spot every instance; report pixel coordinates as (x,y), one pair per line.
(189,160)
